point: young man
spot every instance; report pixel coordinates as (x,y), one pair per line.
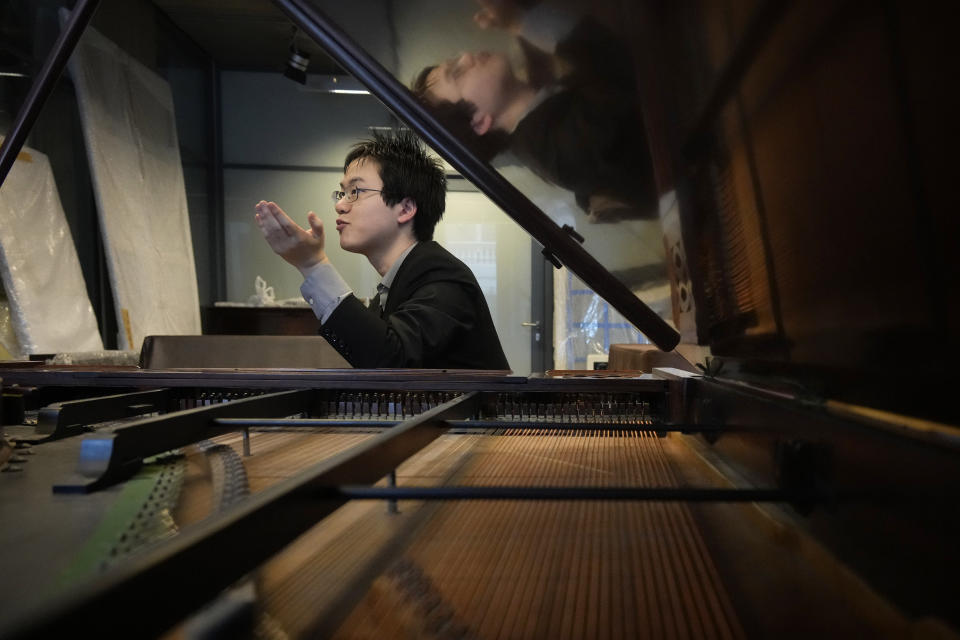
(430,311)
(574,120)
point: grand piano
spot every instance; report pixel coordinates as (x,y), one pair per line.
(802,481)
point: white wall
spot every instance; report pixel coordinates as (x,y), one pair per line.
(269,119)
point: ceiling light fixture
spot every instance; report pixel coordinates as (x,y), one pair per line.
(296,68)
(335,84)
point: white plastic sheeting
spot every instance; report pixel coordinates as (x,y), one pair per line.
(9,345)
(48,303)
(131,137)
(110,358)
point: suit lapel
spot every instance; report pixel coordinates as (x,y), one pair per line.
(399,286)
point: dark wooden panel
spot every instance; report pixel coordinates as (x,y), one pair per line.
(264,321)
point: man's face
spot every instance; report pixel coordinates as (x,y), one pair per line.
(479,78)
(366,226)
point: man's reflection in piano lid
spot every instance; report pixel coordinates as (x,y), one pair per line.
(571,116)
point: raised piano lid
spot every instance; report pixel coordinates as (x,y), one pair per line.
(622,227)
(806,226)
(798,152)
(565,165)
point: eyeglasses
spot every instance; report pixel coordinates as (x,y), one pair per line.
(351,195)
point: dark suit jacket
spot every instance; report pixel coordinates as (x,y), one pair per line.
(436,318)
(588,137)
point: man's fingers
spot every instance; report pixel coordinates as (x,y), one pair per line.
(316,225)
(265,215)
(274,218)
(296,245)
(283,220)
(484,18)
(265,219)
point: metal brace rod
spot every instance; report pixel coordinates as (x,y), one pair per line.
(392,483)
(466,425)
(656,494)
(43,85)
(199,562)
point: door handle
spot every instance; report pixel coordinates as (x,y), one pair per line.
(530,324)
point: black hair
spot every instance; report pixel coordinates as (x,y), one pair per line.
(407,171)
(457,117)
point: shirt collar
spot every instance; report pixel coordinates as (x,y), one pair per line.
(391,273)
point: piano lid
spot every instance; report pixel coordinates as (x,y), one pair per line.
(780,164)
(543,116)
(554,106)
(783,165)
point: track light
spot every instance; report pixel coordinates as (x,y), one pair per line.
(320,83)
(296,68)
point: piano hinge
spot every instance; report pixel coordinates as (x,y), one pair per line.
(573,233)
(552,258)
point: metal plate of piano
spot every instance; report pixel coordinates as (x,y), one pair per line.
(465,504)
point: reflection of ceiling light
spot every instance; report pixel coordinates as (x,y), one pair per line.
(335,84)
(13,74)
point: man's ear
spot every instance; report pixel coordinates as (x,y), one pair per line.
(407,208)
(480,123)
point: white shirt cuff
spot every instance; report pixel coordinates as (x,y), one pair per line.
(324,289)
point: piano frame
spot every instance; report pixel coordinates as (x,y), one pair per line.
(823,464)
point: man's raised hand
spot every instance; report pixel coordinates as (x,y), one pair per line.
(500,14)
(298,246)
